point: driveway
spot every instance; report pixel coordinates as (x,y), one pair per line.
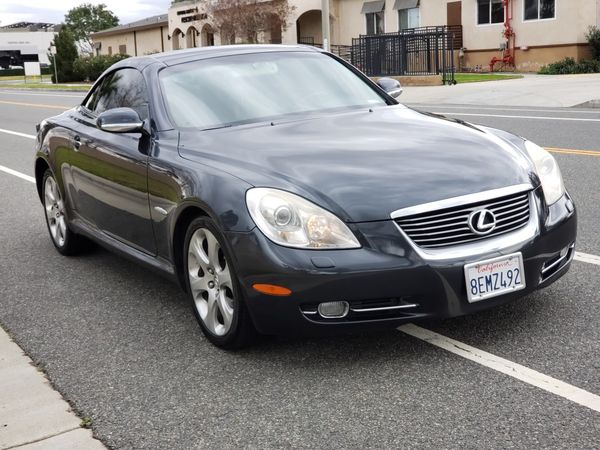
(532,90)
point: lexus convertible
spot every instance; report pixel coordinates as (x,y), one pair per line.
(287,193)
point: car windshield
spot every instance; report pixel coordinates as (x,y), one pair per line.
(239,89)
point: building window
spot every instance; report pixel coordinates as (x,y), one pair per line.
(375,22)
(109,50)
(539,9)
(490,11)
(409,18)
(123,49)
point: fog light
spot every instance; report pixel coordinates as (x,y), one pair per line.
(333,310)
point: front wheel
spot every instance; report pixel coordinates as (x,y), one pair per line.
(213,287)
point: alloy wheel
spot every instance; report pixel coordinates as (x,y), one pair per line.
(55,212)
(211,283)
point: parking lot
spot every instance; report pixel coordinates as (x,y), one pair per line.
(122,346)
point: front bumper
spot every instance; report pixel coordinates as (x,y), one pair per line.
(388,281)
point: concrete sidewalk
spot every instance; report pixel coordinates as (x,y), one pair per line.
(532,90)
(32,414)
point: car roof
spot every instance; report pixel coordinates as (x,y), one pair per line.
(191,54)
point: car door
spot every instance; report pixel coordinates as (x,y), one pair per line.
(109,170)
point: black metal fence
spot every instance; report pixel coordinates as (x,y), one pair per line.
(343,51)
(416,51)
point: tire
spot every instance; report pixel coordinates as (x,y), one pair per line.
(213,287)
(66,242)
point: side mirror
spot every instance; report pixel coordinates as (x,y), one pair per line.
(120,120)
(390,86)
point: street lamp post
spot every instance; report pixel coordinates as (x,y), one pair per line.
(325,25)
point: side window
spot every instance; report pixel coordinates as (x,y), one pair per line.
(123,88)
(91,101)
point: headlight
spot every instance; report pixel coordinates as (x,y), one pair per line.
(290,220)
(548,171)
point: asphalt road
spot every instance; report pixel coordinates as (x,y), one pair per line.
(122,346)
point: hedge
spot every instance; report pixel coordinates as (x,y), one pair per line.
(569,65)
(90,68)
(21,72)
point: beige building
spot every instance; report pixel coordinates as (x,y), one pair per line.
(143,37)
(543,31)
(190,26)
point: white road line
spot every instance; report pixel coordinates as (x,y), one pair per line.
(571,119)
(16,133)
(587,258)
(537,379)
(17,174)
(482,108)
(39,94)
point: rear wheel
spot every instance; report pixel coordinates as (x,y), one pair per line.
(65,241)
(213,287)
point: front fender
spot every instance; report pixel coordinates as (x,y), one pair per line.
(177,186)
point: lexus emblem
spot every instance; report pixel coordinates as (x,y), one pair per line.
(482,221)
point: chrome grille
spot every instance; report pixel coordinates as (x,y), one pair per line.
(450,226)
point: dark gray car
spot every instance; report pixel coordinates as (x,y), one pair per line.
(289,194)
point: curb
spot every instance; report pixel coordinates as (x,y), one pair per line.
(594,104)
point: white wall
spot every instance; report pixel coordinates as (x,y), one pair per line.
(16,39)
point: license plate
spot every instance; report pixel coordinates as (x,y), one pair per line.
(493,277)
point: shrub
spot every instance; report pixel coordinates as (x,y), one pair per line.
(21,72)
(90,68)
(588,66)
(593,38)
(569,65)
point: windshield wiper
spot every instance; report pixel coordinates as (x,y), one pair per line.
(218,127)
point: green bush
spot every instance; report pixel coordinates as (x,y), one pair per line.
(20,72)
(588,66)
(569,65)
(593,38)
(90,68)
(11,72)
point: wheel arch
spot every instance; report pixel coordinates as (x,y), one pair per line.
(41,165)
(184,218)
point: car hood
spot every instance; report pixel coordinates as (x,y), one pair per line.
(362,165)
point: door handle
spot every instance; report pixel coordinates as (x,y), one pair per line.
(76,142)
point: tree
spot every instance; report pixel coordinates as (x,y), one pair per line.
(246,19)
(66,54)
(86,19)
